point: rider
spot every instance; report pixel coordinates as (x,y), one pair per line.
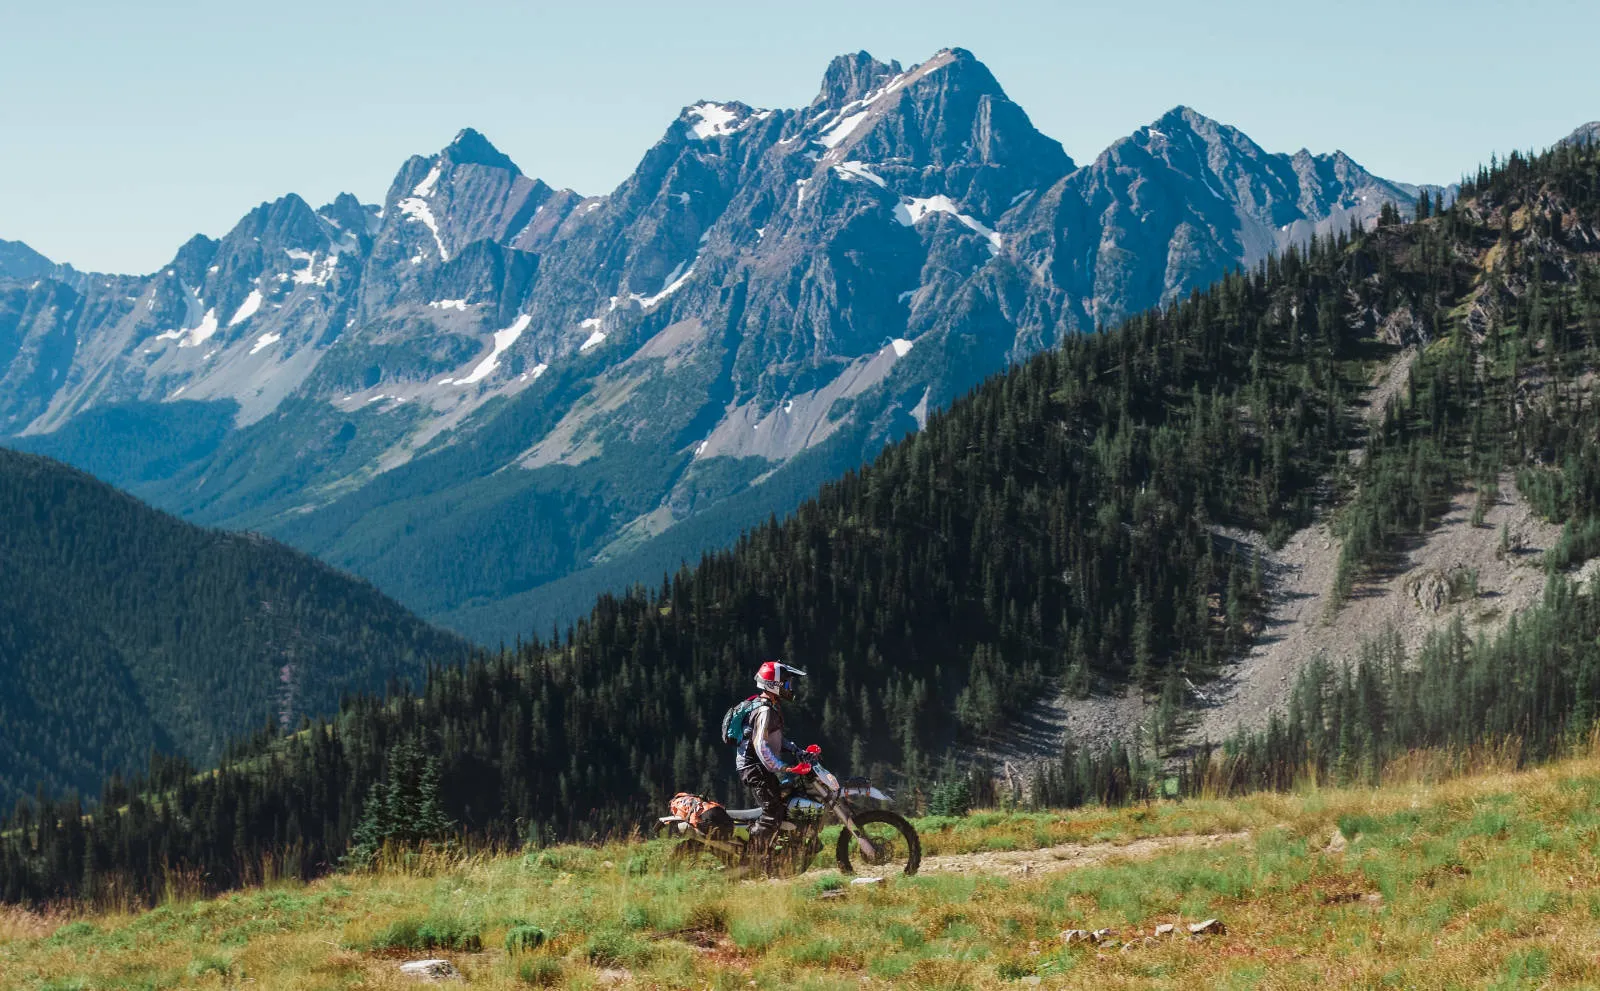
(761,756)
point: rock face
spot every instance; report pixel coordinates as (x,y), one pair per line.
(18,261)
(485,385)
(1585,134)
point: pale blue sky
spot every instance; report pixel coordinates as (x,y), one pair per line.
(127,127)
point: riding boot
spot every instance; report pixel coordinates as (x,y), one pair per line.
(760,840)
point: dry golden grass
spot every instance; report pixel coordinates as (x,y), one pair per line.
(1489,880)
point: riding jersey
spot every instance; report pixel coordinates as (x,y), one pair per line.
(765,741)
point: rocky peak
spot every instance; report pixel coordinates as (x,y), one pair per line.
(851,77)
(284,241)
(349,214)
(1585,134)
(709,119)
(193,259)
(469,191)
(472,148)
(18,261)
(285,223)
(1185,133)
(950,112)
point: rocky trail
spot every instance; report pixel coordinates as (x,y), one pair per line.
(1071,855)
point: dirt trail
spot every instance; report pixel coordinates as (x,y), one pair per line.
(1070,856)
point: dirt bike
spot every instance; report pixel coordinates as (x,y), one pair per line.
(872,842)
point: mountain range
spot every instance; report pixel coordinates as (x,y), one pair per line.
(493,398)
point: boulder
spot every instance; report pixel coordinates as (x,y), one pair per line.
(431,970)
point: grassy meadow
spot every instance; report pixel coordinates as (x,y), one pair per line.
(1486,880)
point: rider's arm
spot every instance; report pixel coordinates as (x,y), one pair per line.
(763,742)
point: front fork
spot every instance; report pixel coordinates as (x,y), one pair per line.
(842,810)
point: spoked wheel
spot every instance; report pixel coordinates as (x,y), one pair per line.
(896,848)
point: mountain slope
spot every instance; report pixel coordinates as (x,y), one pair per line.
(484,387)
(18,261)
(123,629)
(1074,522)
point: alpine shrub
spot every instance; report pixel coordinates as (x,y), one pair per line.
(951,797)
(524,939)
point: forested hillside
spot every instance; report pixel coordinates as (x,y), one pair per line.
(123,630)
(1059,526)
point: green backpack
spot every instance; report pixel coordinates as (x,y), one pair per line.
(736,723)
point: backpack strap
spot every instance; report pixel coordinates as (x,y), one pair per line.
(761,702)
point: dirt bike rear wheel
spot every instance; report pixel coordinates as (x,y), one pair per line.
(790,852)
(897,850)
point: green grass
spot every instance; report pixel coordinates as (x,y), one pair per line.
(1489,881)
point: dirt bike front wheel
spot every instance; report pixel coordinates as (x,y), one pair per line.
(896,848)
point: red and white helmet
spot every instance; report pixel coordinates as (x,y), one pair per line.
(778,678)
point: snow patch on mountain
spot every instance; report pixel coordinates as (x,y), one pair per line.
(912,209)
(502,339)
(859,170)
(425,187)
(675,282)
(199,335)
(247,309)
(843,129)
(313,274)
(835,129)
(417,210)
(714,120)
(449,304)
(594,340)
(265,340)
(901,346)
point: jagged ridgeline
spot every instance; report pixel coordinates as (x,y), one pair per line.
(495,399)
(1055,528)
(124,630)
